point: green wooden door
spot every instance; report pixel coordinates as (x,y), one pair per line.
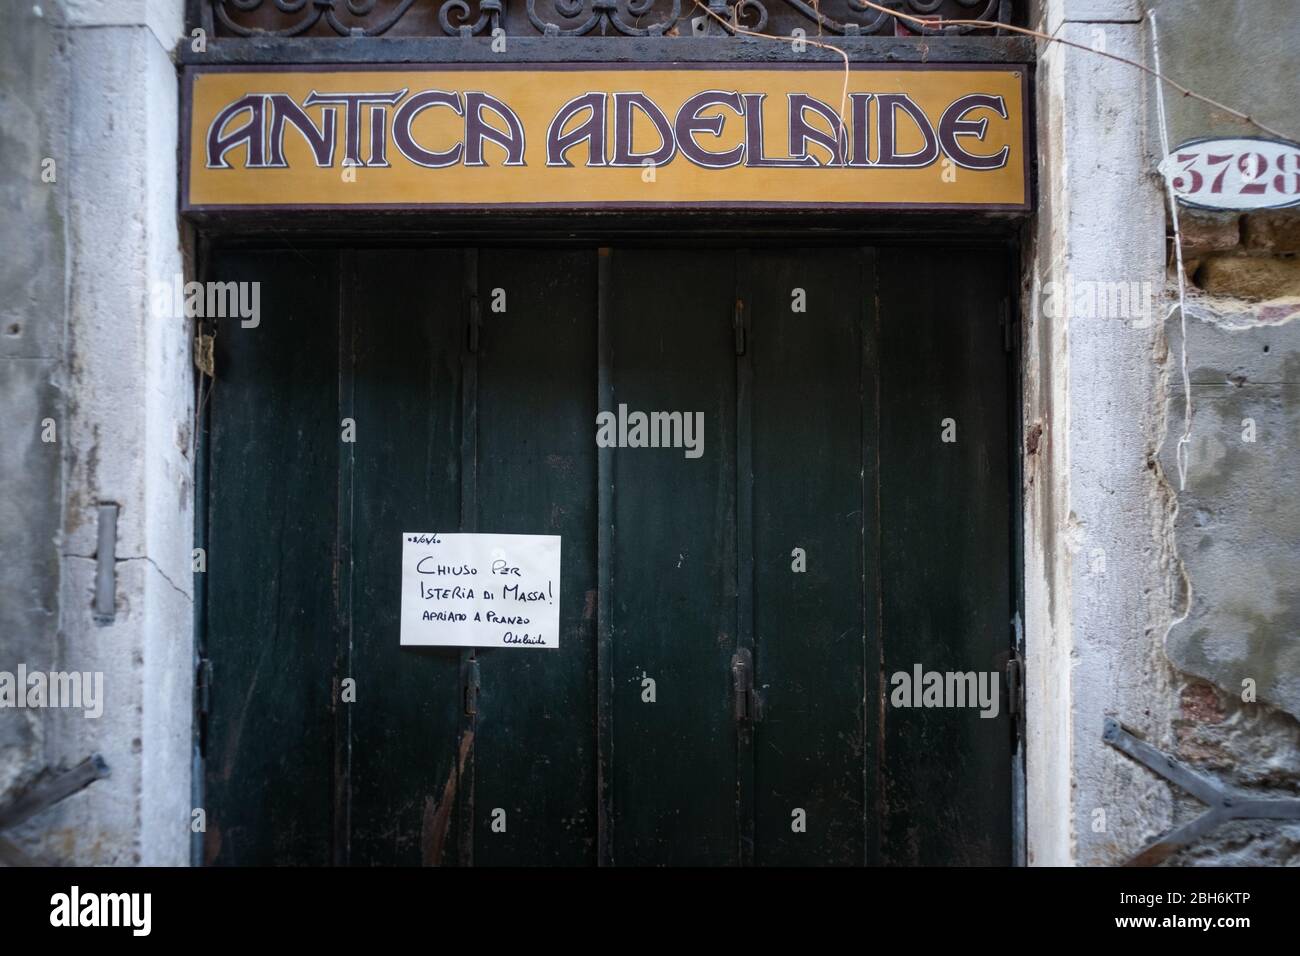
(733,612)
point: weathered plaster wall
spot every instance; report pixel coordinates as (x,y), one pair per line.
(1238,527)
(33,310)
(1237,531)
(1239,515)
(124,416)
(1115,551)
(1096,577)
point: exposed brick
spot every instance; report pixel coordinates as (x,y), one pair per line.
(1250,277)
(1272,231)
(1201,704)
(1208,232)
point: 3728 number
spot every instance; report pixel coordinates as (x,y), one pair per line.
(1236,174)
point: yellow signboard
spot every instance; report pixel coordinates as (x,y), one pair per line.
(602,137)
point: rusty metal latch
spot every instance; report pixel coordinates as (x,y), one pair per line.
(748,703)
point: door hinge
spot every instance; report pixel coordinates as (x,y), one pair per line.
(203,685)
(471,687)
(1015,686)
(748,702)
(738,325)
(471,338)
(202,704)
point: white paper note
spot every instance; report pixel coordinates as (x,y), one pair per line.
(480,590)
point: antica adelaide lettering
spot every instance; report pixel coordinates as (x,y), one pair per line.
(258,122)
(708,135)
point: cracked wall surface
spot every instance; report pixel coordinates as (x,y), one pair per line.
(1150,596)
(91,85)
(1237,530)
(1097,578)
(33,81)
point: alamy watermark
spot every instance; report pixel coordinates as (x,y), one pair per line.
(1132,302)
(72,689)
(651,430)
(179,299)
(75,908)
(956,689)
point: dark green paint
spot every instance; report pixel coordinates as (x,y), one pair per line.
(536,752)
(403,353)
(272,629)
(945,551)
(822,432)
(674,564)
(808,494)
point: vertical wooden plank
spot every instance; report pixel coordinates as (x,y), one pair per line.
(535,731)
(605,567)
(408,330)
(945,550)
(271,562)
(470,311)
(873,676)
(199,579)
(808,495)
(744,545)
(1016,441)
(347,279)
(674,568)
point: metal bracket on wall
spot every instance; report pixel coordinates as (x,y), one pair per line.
(106,565)
(1224,804)
(41,797)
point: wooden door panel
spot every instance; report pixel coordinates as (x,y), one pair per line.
(822,431)
(535,750)
(401,378)
(272,632)
(945,550)
(674,572)
(806,337)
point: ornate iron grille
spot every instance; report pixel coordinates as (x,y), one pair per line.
(578,18)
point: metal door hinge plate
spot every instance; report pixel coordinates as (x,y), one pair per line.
(747,701)
(1015,686)
(203,685)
